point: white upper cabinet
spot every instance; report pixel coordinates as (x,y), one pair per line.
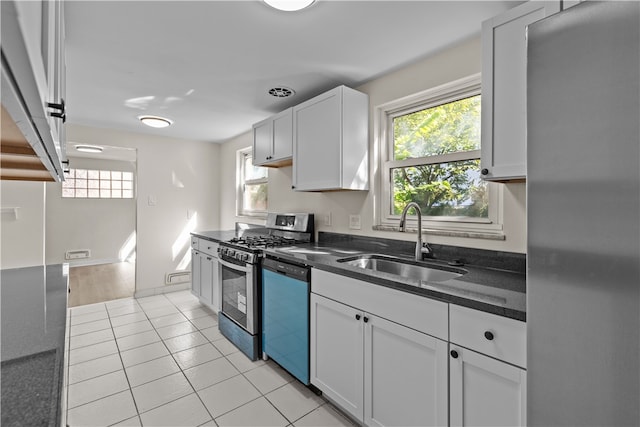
(504,90)
(330,142)
(33,77)
(273,140)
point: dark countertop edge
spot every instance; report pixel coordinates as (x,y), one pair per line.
(423,292)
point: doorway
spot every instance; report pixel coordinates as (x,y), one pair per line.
(91,224)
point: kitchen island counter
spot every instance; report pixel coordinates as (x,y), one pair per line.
(34,322)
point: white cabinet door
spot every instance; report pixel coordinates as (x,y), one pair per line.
(206,279)
(504,90)
(318,143)
(330,142)
(337,345)
(32,45)
(273,140)
(485,391)
(282,136)
(262,141)
(196,273)
(215,287)
(405,376)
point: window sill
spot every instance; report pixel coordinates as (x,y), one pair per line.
(488,235)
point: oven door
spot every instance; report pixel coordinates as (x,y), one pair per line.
(238,293)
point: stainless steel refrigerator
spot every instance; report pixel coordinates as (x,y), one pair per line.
(583,214)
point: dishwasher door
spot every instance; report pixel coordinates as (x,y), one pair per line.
(285,316)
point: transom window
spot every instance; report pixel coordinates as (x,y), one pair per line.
(97,184)
(430,154)
(252,186)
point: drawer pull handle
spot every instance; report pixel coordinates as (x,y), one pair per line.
(489,335)
(358,317)
(454,354)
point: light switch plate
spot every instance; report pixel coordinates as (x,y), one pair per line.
(354,222)
(327,219)
(152,200)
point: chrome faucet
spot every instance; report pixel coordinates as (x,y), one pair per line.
(423,250)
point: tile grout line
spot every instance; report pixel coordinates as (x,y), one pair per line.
(179,367)
(155,328)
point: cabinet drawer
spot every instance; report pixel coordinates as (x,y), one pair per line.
(414,311)
(495,336)
(208,247)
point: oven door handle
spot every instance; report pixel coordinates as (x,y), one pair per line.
(236,267)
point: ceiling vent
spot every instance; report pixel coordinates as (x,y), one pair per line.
(281,92)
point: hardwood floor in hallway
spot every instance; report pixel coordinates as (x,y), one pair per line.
(90,284)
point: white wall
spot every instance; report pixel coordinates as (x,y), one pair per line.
(183,178)
(104,226)
(457,62)
(22,237)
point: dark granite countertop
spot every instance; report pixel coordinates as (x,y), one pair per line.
(33,322)
(215,235)
(489,287)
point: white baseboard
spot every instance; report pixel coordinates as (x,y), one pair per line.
(161,290)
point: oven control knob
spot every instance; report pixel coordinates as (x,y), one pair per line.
(231,253)
(242,257)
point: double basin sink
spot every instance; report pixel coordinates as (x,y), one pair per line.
(404,268)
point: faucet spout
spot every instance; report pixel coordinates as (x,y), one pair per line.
(422,249)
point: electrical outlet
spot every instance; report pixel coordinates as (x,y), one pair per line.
(152,200)
(354,222)
(327,219)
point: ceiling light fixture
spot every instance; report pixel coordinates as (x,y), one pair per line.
(289,5)
(89,148)
(155,121)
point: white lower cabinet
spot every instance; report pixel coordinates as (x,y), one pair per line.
(204,272)
(380,372)
(337,353)
(405,376)
(485,391)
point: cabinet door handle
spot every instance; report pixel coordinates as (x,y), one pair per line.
(57,106)
(489,335)
(484,171)
(366,319)
(454,354)
(358,317)
(208,258)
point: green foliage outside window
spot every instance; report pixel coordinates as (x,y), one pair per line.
(452,188)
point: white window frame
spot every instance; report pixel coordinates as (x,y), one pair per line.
(240,185)
(490,227)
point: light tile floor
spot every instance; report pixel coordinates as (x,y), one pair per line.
(161,361)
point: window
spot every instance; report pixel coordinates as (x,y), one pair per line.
(97,184)
(252,186)
(430,154)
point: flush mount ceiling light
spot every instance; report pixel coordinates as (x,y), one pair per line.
(289,5)
(89,148)
(281,92)
(155,121)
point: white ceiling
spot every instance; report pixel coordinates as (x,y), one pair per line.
(208,65)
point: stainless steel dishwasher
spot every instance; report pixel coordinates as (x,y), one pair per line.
(285,315)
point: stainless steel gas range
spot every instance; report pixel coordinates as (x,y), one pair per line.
(240,275)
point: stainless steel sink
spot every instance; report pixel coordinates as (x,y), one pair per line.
(404,268)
